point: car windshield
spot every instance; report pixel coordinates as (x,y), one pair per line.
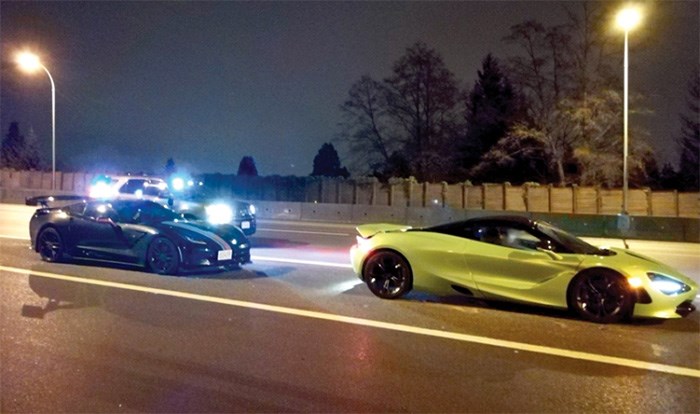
(569,241)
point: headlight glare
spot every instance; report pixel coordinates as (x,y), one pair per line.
(666,284)
(219,214)
(251,210)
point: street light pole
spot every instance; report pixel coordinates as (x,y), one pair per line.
(30,63)
(625,124)
(53,130)
(627,19)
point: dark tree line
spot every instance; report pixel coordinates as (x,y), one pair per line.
(551,113)
(20,152)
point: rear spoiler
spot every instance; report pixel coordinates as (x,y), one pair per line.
(368,230)
(54,201)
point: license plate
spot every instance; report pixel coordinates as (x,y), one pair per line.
(245,224)
(224,255)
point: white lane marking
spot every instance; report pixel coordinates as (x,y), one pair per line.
(456,336)
(2,236)
(320,233)
(306,262)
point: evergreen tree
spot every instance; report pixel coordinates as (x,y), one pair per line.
(16,152)
(247,167)
(690,138)
(32,157)
(170,168)
(492,107)
(327,163)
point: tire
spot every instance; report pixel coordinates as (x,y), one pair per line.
(163,257)
(601,296)
(50,246)
(388,275)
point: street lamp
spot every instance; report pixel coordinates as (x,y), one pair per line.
(627,19)
(29,62)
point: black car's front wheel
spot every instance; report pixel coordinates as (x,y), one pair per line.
(50,245)
(601,296)
(163,256)
(387,274)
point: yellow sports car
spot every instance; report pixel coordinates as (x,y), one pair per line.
(517,259)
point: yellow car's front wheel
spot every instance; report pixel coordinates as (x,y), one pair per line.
(601,295)
(388,274)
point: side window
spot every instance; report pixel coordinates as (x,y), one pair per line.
(100,210)
(520,239)
(488,234)
(506,236)
(126,213)
(76,209)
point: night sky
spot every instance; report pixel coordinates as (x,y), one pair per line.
(207,83)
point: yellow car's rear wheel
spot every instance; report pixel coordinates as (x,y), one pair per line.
(388,274)
(601,296)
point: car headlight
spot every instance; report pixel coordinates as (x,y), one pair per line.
(251,210)
(219,214)
(666,284)
(101,189)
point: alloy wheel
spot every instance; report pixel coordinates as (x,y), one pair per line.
(388,275)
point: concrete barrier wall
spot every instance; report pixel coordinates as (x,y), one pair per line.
(530,198)
(591,225)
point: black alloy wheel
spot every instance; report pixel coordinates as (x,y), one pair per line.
(50,245)
(601,296)
(163,256)
(388,274)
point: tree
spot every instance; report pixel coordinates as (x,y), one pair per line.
(492,107)
(170,167)
(32,157)
(327,163)
(564,73)
(690,137)
(366,124)
(17,152)
(406,124)
(247,167)
(422,96)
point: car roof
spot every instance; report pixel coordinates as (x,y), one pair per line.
(505,219)
(508,220)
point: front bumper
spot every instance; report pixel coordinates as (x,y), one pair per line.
(205,257)
(246,224)
(666,307)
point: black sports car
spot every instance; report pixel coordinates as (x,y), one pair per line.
(135,232)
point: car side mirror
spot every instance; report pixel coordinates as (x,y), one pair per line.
(551,254)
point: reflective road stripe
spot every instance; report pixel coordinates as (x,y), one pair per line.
(519,346)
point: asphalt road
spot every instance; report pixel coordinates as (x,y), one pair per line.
(295,331)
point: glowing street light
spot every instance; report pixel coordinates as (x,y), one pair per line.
(627,19)
(30,63)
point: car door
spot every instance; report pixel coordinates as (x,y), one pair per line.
(510,261)
(96,235)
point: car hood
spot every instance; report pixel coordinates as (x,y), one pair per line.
(631,263)
(226,232)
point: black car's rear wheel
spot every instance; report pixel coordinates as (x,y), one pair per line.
(163,256)
(601,296)
(50,245)
(387,274)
